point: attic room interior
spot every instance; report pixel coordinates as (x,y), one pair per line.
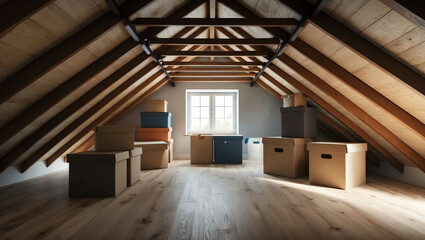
(212,119)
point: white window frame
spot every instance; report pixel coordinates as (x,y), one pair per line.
(212,93)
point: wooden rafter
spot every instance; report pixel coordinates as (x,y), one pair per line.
(413,10)
(176,63)
(64,50)
(338,115)
(390,137)
(270,90)
(361,46)
(215,79)
(361,87)
(29,141)
(12,13)
(214,53)
(212,12)
(212,69)
(208,22)
(211,74)
(214,42)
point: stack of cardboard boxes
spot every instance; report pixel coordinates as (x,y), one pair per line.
(107,171)
(154,135)
(340,165)
(218,149)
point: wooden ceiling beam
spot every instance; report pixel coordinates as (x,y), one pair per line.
(29,141)
(14,12)
(212,69)
(64,50)
(212,74)
(176,63)
(98,121)
(338,115)
(30,160)
(214,53)
(413,10)
(212,79)
(208,22)
(360,87)
(214,42)
(360,45)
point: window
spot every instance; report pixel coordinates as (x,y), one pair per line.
(212,111)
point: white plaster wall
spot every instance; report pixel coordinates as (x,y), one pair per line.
(259,112)
(411,175)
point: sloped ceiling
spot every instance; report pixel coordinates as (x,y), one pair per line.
(60,78)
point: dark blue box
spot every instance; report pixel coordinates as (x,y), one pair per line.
(228,149)
(155,119)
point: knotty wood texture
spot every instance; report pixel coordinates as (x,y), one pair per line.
(214,202)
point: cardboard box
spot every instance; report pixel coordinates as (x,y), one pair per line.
(339,165)
(171,150)
(294,100)
(155,154)
(299,122)
(154,134)
(156,105)
(228,149)
(286,157)
(133,166)
(97,174)
(114,138)
(201,149)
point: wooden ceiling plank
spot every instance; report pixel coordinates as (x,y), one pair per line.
(214,42)
(214,53)
(64,50)
(212,69)
(14,12)
(212,74)
(72,84)
(372,53)
(390,137)
(215,79)
(338,115)
(362,88)
(412,10)
(208,22)
(24,145)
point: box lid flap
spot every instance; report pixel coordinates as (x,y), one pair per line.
(98,157)
(230,137)
(337,147)
(286,141)
(299,109)
(148,145)
(136,152)
(154,129)
(115,129)
(201,136)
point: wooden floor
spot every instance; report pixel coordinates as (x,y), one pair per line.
(214,202)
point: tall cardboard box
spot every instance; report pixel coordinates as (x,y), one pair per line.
(286,157)
(201,149)
(170,150)
(155,154)
(97,174)
(339,165)
(299,122)
(114,138)
(154,134)
(156,105)
(133,166)
(294,100)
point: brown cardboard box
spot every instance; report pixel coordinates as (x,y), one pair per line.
(114,138)
(155,154)
(133,166)
(156,105)
(339,165)
(170,148)
(97,174)
(285,157)
(201,149)
(294,100)
(154,134)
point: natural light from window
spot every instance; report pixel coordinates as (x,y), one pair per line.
(212,111)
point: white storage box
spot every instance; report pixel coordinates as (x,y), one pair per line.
(255,148)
